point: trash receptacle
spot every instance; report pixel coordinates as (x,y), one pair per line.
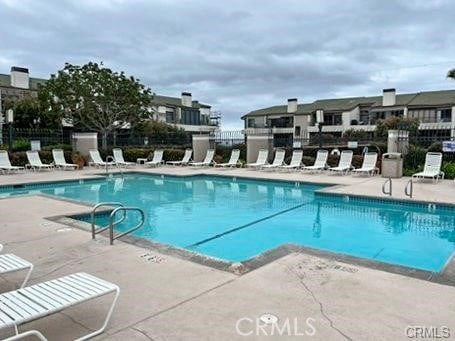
(392,165)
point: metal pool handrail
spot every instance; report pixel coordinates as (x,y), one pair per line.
(409,189)
(112,223)
(92,216)
(388,181)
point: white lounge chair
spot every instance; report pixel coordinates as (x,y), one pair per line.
(263,155)
(233,160)
(5,163)
(59,160)
(186,159)
(208,160)
(119,160)
(157,159)
(296,160)
(278,161)
(320,163)
(34,161)
(11,263)
(40,300)
(345,163)
(97,161)
(369,164)
(432,168)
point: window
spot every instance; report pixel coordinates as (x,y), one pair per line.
(251,123)
(446,115)
(170,117)
(382,115)
(333,119)
(191,117)
(281,122)
(364,118)
(424,115)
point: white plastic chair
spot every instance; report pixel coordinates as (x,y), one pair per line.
(119,160)
(345,163)
(208,160)
(432,168)
(278,161)
(59,160)
(97,161)
(369,164)
(10,263)
(233,160)
(263,155)
(296,160)
(34,161)
(40,300)
(157,159)
(185,160)
(5,163)
(320,163)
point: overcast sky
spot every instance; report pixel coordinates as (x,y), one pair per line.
(240,55)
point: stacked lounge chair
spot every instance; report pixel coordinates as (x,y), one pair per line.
(233,160)
(59,160)
(35,163)
(5,163)
(263,155)
(432,168)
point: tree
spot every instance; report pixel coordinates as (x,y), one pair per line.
(451,74)
(396,123)
(96,98)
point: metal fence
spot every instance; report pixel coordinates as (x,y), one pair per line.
(21,137)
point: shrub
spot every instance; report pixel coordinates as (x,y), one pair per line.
(21,145)
(449,169)
(308,160)
(173,154)
(435,147)
(132,154)
(415,158)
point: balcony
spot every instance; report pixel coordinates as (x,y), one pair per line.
(268,131)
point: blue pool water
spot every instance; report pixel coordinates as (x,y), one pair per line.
(237,219)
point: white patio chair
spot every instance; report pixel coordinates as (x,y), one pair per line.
(97,161)
(157,159)
(208,160)
(10,263)
(34,161)
(432,168)
(296,160)
(5,163)
(345,163)
(40,300)
(278,161)
(119,160)
(59,160)
(185,160)
(368,165)
(320,163)
(263,155)
(233,160)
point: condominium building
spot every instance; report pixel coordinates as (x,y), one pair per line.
(434,109)
(181,112)
(17,85)
(184,113)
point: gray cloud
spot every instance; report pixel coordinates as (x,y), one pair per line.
(240,55)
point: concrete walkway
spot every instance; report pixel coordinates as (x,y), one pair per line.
(167,298)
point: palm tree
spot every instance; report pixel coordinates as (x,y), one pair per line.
(451,74)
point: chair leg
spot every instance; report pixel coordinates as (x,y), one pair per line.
(26,334)
(106,321)
(29,272)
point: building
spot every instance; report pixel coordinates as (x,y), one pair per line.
(18,84)
(286,123)
(182,112)
(185,113)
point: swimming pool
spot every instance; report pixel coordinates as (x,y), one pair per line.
(237,219)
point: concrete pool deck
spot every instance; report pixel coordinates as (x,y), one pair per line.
(168,298)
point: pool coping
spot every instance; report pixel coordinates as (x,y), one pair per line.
(446,276)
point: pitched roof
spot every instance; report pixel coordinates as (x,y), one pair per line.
(176,102)
(5,81)
(425,98)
